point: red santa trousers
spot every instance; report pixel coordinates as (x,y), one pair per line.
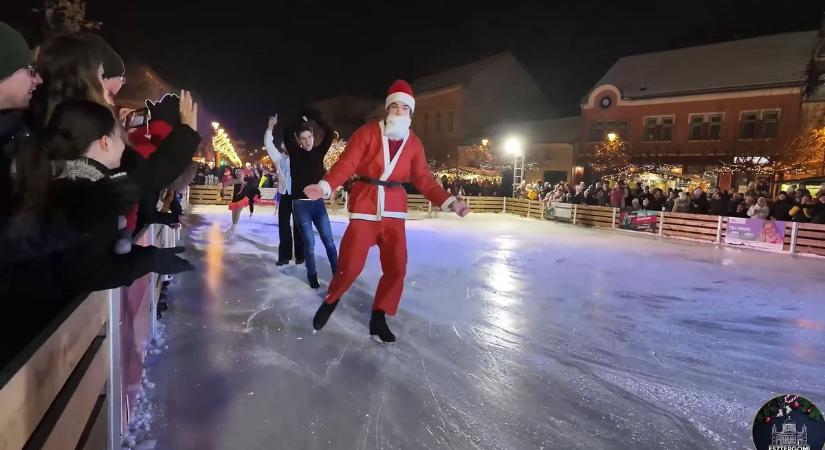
(390,236)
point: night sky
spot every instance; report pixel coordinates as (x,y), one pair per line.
(247,59)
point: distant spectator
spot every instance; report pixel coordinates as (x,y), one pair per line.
(657,201)
(718,205)
(671,199)
(801,211)
(681,204)
(733,204)
(760,210)
(617,196)
(817,211)
(782,207)
(699,203)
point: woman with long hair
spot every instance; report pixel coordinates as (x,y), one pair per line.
(89,141)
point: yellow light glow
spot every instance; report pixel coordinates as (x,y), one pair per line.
(612,137)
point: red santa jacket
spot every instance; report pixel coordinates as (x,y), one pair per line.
(367,154)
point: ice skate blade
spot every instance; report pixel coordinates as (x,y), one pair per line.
(375,338)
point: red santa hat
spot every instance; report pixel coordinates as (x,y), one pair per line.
(400,91)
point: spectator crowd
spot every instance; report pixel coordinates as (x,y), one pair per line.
(795,204)
(80,178)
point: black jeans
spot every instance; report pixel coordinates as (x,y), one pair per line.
(288,235)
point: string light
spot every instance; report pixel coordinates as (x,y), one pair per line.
(334,153)
(223,146)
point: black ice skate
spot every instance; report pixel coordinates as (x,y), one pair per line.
(313,281)
(323,313)
(378,327)
(281,263)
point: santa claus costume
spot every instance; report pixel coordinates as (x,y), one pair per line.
(382,156)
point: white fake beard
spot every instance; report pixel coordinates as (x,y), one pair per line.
(397,127)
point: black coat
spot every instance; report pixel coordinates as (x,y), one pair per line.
(781,210)
(699,205)
(718,206)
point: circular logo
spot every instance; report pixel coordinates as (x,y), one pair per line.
(606,101)
(789,422)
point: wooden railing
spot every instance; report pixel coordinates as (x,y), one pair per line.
(800,238)
(71,387)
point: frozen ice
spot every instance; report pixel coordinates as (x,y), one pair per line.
(515,334)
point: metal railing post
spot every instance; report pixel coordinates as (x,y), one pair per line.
(613,223)
(794,235)
(575,212)
(719,231)
(661,222)
(504,206)
(114,387)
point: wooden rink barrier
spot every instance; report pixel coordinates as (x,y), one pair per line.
(800,238)
(75,384)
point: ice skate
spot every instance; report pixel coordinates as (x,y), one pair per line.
(379,328)
(313,281)
(281,263)
(322,315)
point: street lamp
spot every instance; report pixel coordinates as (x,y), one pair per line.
(513,146)
(215,125)
(612,137)
(484,142)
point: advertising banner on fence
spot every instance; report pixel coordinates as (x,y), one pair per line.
(559,211)
(756,233)
(641,220)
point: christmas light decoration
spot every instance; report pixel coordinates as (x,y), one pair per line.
(334,153)
(223,146)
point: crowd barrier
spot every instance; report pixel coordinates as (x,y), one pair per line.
(799,238)
(75,385)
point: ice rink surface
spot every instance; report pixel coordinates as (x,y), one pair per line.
(513,334)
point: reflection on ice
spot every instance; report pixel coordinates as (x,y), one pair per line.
(526,334)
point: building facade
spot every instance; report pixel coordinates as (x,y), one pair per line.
(703,107)
(458,106)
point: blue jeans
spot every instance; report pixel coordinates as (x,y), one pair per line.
(308,212)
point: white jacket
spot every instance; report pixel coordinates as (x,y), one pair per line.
(281,161)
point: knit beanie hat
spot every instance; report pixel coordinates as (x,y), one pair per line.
(112,62)
(15,53)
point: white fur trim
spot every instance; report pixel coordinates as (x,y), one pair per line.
(447,203)
(326,188)
(402,97)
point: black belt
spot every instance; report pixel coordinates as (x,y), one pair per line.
(375,181)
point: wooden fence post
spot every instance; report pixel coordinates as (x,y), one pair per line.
(661,222)
(794,234)
(613,223)
(719,231)
(575,210)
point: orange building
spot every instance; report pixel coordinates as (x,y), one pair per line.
(701,107)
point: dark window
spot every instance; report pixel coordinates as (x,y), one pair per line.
(597,132)
(425,127)
(438,122)
(450,121)
(715,127)
(696,125)
(770,124)
(650,129)
(667,129)
(659,128)
(748,125)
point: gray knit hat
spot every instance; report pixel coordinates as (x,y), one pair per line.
(15,53)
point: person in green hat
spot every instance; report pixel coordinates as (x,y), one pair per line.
(18,80)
